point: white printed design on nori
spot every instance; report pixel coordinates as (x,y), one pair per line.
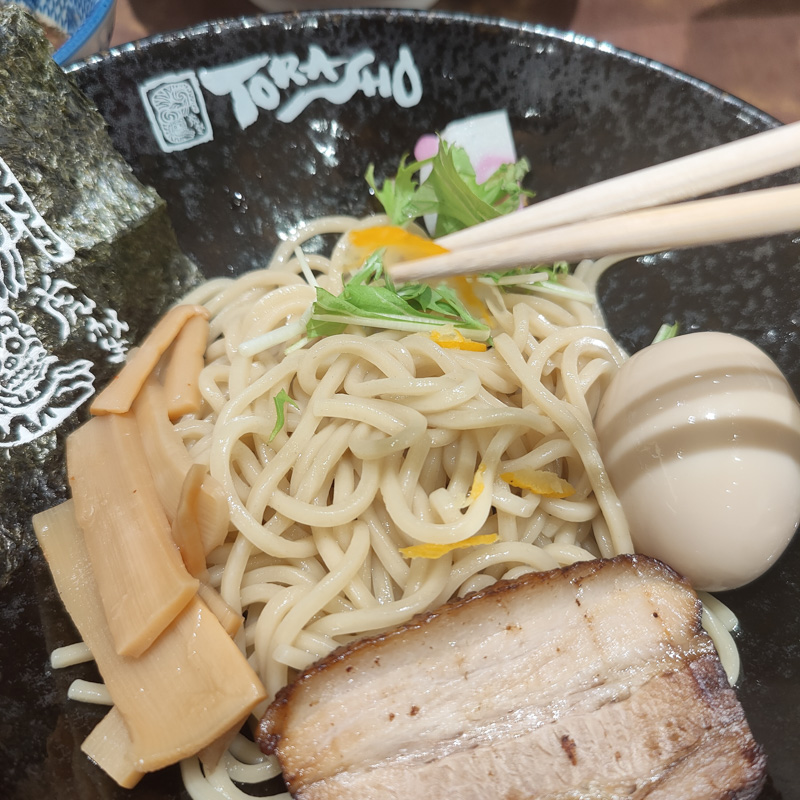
(18,218)
(67,309)
(37,392)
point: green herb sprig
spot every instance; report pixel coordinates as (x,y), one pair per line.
(370,299)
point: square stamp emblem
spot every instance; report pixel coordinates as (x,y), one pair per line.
(176,110)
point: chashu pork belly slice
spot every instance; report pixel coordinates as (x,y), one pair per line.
(592,681)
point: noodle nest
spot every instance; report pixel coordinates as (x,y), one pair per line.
(342,454)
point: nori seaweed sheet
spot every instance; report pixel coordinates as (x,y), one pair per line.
(127,266)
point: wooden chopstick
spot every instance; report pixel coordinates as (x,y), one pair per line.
(715,220)
(707,171)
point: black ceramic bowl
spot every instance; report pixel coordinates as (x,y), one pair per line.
(278,118)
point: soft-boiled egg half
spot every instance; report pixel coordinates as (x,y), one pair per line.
(701,438)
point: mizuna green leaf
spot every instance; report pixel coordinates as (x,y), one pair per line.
(281,399)
(369,298)
(451,191)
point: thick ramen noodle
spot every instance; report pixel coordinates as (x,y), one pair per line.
(374,474)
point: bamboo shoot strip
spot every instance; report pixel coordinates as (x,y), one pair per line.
(190,687)
(170,462)
(109,746)
(185,527)
(230,619)
(211,755)
(186,359)
(118,396)
(142,582)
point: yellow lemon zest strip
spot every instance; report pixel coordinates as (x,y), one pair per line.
(539,481)
(436,550)
(404,243)
(465,286)
(477,484)
(453,340)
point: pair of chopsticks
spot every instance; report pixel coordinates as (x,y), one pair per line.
(635,213)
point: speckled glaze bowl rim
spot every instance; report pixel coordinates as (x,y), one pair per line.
(303,18)
(87,29)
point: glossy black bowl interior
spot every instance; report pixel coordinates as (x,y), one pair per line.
(318,97)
